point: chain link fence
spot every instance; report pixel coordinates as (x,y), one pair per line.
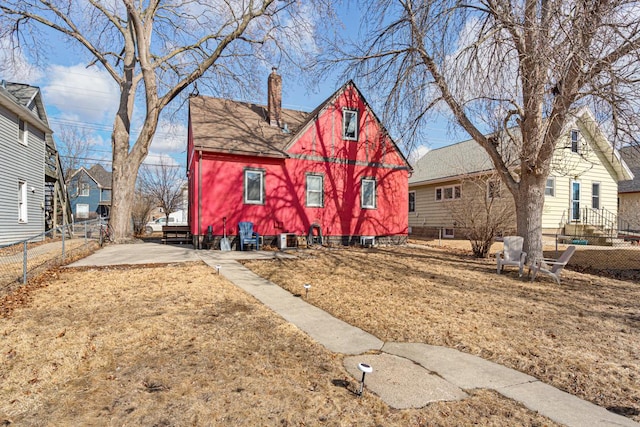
(617,257)
(27,258)
(605,256)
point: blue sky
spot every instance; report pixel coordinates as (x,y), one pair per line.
(86,99)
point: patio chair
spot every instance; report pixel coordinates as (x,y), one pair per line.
(511,254)
(552,267)
(248,236)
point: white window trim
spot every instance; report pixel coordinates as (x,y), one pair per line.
(84,190)
(245,189)
(553,187)
(23,134)
(414,201)
(23,203)
(321,191)
(453,193)
(449,233)
(575,132)
(599,194)
(81,216)
(344,121)
(375,193)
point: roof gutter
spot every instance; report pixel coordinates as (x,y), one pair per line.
(23,113)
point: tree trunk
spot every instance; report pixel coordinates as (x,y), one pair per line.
(529,206)
(122,195)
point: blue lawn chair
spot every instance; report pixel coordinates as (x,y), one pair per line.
(248,236)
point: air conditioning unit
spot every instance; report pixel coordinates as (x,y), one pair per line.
(287,241)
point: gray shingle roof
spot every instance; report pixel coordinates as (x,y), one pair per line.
(631,155)
(463,158)
(100,175)
(226,126)
(21,92)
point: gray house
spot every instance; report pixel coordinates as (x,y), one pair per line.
(32,195)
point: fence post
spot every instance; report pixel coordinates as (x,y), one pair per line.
(24,263)
(63,231)
(85,232)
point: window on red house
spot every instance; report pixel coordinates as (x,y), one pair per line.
(315,190)
(368,193)
(254,186)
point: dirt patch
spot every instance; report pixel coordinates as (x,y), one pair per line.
(582,336)
(178,345)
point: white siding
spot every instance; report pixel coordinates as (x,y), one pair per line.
(586,167)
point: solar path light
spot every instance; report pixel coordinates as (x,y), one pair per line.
(366,369)
(218,267)
(306,290)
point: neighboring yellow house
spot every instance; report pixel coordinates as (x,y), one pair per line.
(582,188)
(629,192)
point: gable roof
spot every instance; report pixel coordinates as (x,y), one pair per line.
(468,157)
(16,97)
(227,126)
(631,156)
(442,164)
(97,173)
(100,175)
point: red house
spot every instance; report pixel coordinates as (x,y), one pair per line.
(333,171)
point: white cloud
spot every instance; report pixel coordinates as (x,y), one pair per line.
(170,138)
(417,153)
(14,66)
(84,94)
(154,159)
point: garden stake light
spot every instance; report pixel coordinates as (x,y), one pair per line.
(306,290)
(366,369)
(218,267)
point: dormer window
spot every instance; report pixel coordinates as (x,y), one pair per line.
(350,125)
(575,138)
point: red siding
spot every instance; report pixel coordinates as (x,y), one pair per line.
(320,149)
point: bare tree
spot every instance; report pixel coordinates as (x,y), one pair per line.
(74,144)
(154,50)
(483,212)
(163,183)
(496,64)
(143,204)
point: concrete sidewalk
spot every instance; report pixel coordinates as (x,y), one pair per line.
(406,375)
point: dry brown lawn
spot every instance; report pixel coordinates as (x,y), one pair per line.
(177,345)
(582,336)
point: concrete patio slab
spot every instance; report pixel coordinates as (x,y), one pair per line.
(401,383)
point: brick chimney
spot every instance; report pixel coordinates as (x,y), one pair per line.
(274,98)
